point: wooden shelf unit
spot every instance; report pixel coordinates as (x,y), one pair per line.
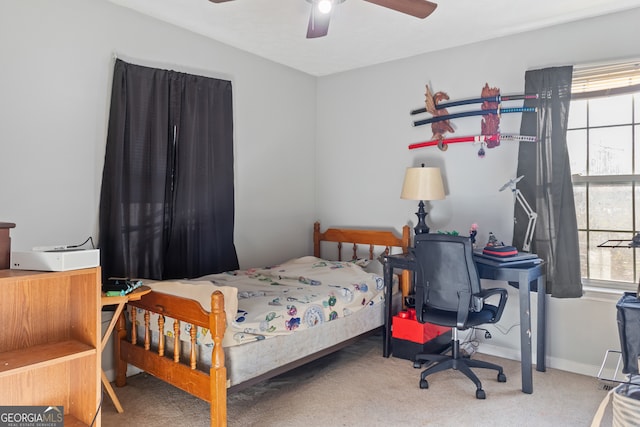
(5,244)
(50,342)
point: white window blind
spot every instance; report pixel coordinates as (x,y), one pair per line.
(605,77)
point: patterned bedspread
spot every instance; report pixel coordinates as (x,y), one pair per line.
(296,295)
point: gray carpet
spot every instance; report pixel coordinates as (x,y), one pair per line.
(358,387)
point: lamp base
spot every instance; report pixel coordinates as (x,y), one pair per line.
(421,227)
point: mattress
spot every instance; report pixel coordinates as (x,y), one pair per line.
(279,314)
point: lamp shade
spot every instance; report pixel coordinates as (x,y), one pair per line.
(422,184)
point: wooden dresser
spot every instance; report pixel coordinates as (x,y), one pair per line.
(50,342)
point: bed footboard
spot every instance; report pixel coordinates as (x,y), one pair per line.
(175,368)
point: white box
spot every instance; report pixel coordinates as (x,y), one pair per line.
(55,260)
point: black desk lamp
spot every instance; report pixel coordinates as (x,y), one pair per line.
(422,184)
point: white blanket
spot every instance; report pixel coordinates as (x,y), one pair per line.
(296,295)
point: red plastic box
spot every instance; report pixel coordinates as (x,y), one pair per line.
(406,327)
(404,349)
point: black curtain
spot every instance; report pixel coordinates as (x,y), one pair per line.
(547,181)
(167,199)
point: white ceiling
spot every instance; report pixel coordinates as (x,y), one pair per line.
(362,33)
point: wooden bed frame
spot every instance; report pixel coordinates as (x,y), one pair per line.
(180,370)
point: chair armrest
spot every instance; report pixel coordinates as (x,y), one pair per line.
(464,301)
(486,293)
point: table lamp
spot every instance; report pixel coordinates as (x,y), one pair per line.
(422,184)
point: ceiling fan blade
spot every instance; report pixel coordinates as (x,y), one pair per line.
(318,24)
(218,1)
(418,8)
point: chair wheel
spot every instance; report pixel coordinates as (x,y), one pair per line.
(480,394)
(424,384)
(502,378)
(417,364)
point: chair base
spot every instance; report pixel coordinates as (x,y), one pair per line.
(440,362)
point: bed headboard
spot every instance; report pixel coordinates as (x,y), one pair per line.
(373,238)
(356,237)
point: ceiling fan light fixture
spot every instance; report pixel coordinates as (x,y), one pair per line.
(325,6)
(321,12)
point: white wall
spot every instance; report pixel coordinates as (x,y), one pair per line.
(364,129)
(57,62)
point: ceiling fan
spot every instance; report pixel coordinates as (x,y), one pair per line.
(321,12)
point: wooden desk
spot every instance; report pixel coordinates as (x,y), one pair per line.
(119,301)
(522,276)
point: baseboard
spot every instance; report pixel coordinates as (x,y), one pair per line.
(552,362)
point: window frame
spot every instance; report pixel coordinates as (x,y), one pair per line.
(632,179)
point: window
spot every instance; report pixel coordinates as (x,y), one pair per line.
(167,196)
(603,140)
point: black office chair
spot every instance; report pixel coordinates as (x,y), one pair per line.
(448,293)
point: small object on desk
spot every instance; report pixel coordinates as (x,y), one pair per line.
(493,240)
(114,293)
(119,287)
(520,259)
(449,233)
(501,251)
(473,232)
(115,284)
